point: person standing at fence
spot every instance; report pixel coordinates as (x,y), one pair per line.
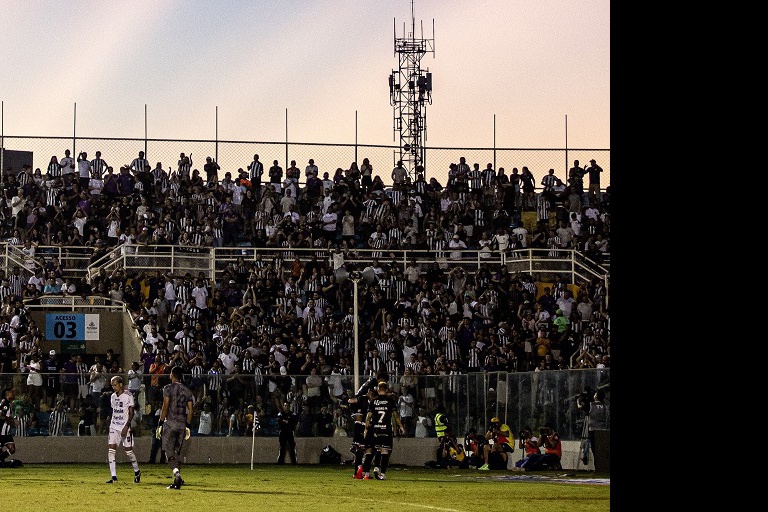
(175,421)
(120,431)
(66,166)
(286,423)
(211,169)
(139,163)
(255,171)
(276,175)
(98,167)
(593,171)
(52,383)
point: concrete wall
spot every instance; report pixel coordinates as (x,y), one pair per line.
(237,450)
(116,332)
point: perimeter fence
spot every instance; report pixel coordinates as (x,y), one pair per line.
(232,155)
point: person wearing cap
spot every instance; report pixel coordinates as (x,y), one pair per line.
(51,382)
(456,244)
(501,443)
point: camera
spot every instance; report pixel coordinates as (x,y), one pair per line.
(523,434)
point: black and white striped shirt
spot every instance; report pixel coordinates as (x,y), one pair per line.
(385,346)
(373,365)
(474,358)
(16,282)
(327,344)
(452,350)
(57,421)
(5,291)
(479,217)
(54,169)
(52,195)
(394,369)
(214,380)
(98,168)
(23,178)
(489,177)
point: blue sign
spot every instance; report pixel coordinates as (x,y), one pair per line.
(65,327)
(71,327)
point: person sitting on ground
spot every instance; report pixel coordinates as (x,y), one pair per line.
(500,439)
(529,443)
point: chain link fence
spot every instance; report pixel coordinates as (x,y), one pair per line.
(232,155)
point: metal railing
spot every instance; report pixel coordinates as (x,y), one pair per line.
(542,264)
(525,399)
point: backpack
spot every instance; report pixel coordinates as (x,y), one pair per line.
(329,455)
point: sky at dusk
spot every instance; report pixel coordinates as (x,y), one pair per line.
(528,62)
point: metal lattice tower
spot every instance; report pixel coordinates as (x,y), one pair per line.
(410,90)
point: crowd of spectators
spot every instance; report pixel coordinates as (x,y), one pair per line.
(271,330)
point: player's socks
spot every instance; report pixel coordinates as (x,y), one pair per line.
(384,462)
(112,463)
(132,458)
(367,462)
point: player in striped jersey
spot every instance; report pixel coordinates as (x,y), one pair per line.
(120,431)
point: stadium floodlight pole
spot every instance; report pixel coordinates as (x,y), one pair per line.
(356,276)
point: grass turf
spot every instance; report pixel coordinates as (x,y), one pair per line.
(78,487)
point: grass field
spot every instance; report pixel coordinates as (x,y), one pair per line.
(81,487)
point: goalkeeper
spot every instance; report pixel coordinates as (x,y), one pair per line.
(174,425)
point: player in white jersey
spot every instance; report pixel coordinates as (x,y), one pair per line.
(120,428)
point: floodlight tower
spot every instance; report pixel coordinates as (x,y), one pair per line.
(410,89)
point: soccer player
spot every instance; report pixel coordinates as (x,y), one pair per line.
(7,422)
(359,446)
(382,409)
(175,421)
(120,429)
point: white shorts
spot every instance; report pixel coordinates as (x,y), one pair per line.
(116,438)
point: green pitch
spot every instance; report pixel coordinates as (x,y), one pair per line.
(78,487)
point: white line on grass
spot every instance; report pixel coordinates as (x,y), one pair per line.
(413,505)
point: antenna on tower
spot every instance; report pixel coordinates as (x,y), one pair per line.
(410,89)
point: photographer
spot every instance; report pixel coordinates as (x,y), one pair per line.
(553,450)
(550,459)
(473,447)
(500,445)
(530,446)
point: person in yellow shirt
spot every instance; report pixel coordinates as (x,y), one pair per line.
(500,439)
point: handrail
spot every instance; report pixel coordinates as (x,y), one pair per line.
(212,261)
(73,302)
